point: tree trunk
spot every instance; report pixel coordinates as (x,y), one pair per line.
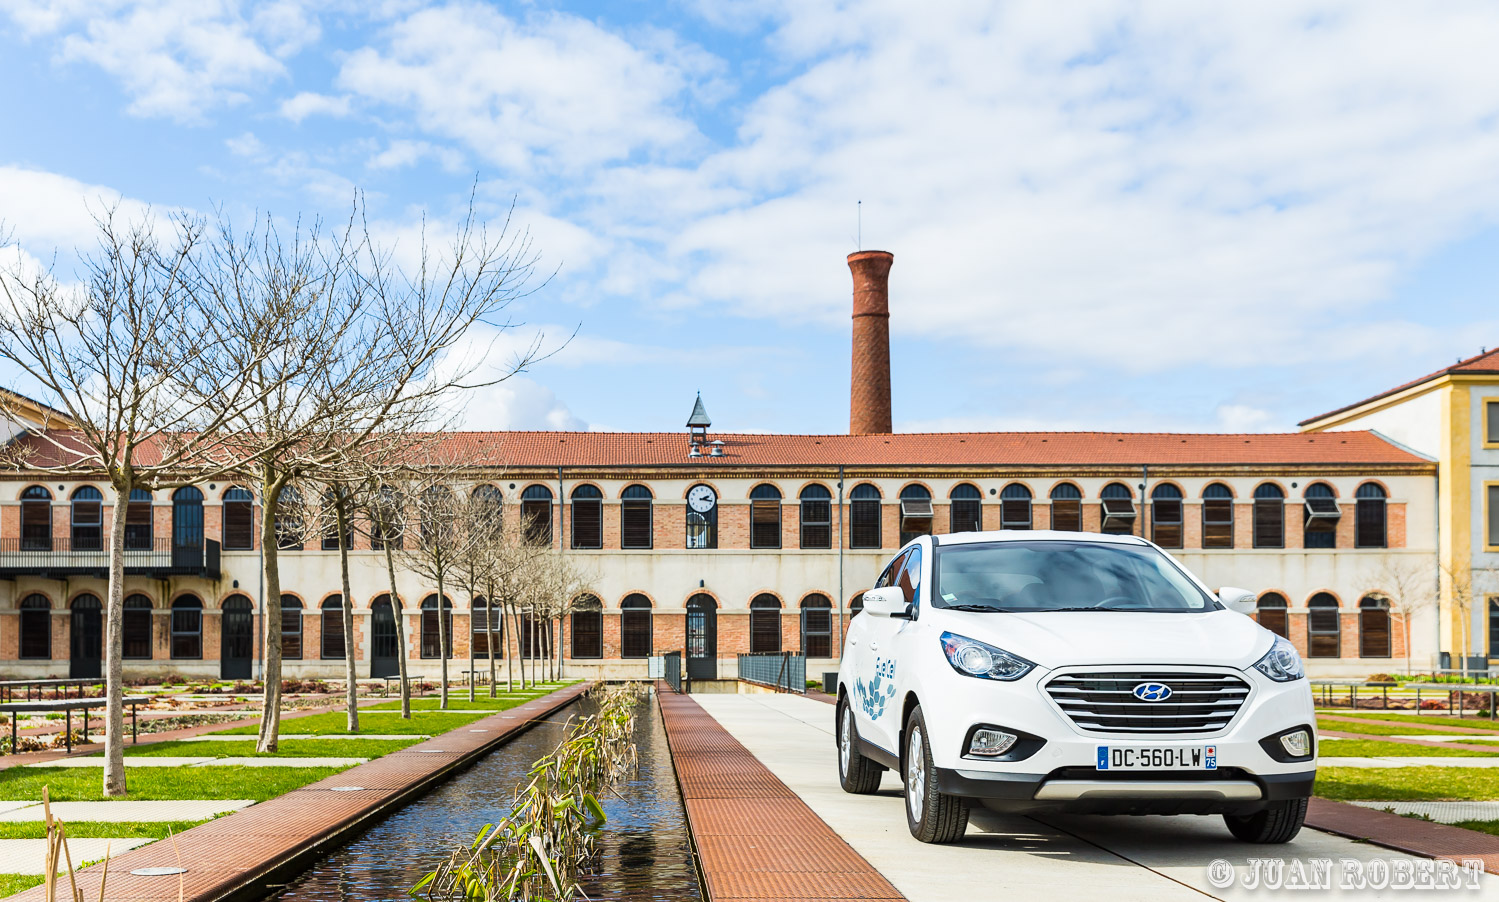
(351,689)
(520,646)
(509,655)
(489,639)
(270,709)
(395,608)
(472,676)
(442,643)
(114,673)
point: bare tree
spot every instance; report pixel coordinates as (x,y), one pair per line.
(1408,587)
(149,382)
(439,550)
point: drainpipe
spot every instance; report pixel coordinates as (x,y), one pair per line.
(259,623)
(840,566)
(1437,552)
(1144,485)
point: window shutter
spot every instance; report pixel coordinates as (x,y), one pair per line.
(1067,514)
(635,524)
(816,523)
(1218,523)
(1015,514)
(1269,523)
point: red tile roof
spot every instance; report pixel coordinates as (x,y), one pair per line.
(924,449)
(595,449)
(1484,364)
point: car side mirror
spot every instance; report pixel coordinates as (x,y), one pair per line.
(887,602)
(1241,600)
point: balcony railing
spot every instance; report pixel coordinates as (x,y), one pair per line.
(87,556)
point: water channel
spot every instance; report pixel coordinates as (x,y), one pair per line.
(645,852)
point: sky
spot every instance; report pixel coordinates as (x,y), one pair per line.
(1162,216)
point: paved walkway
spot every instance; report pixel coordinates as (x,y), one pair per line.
(122,810)
(1151,859)
(29,856)
(168,761)
(1441,812)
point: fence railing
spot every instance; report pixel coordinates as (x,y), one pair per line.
(671,663)
(784,670)
(89,553)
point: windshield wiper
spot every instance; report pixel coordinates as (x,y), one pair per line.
(980,608)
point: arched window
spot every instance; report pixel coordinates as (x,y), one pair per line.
(1369,517)
(817,517)
(1218,516)
(702,517)
(1067,508)
(915,513)
(437,512)
(864,517)
(1272,614)
(36,519)
(588,517)
(1015,507)
(1269,516)
(765,516)
(432,640)
(1166,516)
(291,628)
(332,628)
(239,520)
(1319,526)
(1323,628)
(765,624)
(487,510)
(635,627)
(817,626)
(536,514)
(588,628)
(387,513)
(187,628)
(966,508)
(636,520)
(36,628)
(856,607)
(138,526)
(136,625)
(486,621)
(289,512)
(187,519)
(88,519)
(1118,509)
(1373,628)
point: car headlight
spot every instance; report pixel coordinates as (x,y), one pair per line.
(1281,663)
(971,657)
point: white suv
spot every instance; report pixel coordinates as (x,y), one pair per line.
(1072,672)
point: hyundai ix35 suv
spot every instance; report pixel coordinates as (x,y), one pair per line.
(1071,672)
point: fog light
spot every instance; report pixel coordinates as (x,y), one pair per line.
(1298,743)
(989,743)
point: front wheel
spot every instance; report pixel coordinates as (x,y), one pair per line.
(856,773)
(932,816)
(1276,824)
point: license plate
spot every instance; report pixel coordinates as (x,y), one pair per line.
(1133,757)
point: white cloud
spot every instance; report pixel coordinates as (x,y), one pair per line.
(517,403)
(307,103)
(400,154)
(48,212)
(176,59)
(553,91)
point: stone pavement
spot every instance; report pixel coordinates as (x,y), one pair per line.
(121,810)
(1151,859)
(168,761)
(29,856)
(1441,812)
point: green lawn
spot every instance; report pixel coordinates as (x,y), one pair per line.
(1376,729)
(1408,783)
(286,748)
(83,784)
(1363,748)
(87,829)
(424,722)
(10,884)
(1467,723)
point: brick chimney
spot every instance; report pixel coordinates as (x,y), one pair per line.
(869,397)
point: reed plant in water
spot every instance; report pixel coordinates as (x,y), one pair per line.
(540,850)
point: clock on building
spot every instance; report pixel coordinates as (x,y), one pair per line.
(701,499)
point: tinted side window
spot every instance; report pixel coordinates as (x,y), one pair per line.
(891,572)
(910,576)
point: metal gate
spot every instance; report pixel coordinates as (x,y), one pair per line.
(383,644)
(87,628)
(702,638)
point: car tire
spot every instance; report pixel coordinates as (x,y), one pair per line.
(856,773)
(932,816)
(1276,824)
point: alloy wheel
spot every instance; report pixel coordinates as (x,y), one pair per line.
(916,776)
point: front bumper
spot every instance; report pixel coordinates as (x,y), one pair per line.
(1062,774)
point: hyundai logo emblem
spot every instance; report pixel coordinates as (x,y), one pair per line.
(1152,692)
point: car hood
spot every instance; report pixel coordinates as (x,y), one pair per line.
(1072,638)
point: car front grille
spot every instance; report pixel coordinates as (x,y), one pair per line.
(1200,702)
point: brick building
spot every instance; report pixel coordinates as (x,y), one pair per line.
(719,543)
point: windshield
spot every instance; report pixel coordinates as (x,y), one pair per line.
(1025,577)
